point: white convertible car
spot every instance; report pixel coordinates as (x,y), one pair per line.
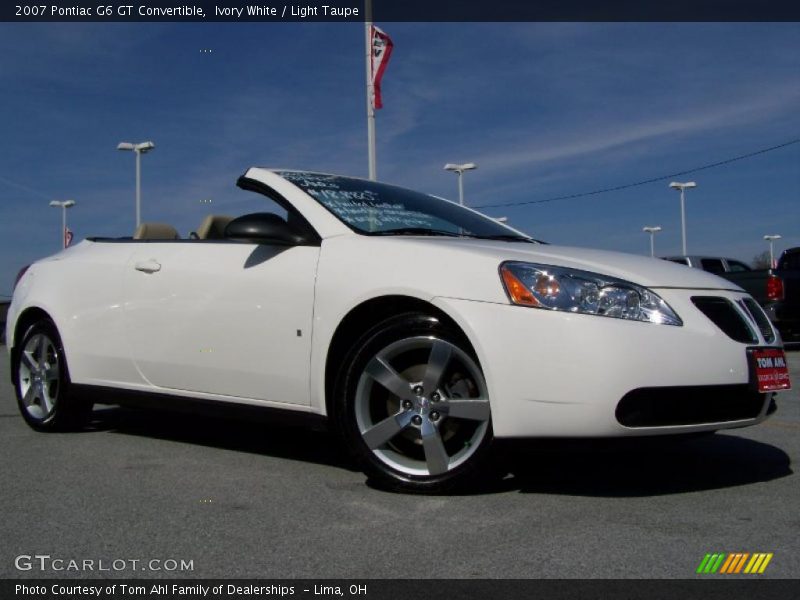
(421,330)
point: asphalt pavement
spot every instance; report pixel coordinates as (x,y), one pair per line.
(141,493)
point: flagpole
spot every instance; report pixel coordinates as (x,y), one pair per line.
(370,90)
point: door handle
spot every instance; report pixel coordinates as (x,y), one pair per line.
(148,266)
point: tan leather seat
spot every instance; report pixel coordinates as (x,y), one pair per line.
(156,231)
(213,227)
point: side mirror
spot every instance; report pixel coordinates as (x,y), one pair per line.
(263,228)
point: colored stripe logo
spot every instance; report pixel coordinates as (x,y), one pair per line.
(735,563)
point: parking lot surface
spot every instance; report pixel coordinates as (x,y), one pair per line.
(238,499)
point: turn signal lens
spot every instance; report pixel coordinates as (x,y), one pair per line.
(517,290)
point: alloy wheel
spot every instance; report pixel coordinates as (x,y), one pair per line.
(421,406)
(39,376)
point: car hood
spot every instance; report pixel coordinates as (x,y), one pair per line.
(650,272)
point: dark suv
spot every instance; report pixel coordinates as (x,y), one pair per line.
(785,309)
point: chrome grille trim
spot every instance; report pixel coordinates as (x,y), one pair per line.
(752,309)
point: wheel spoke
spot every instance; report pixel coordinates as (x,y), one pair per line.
(436,456)
(42,351)
(30,396)
(437,363)
(475,409)
(382,372)
(28,361)
(379,434)
(47,404)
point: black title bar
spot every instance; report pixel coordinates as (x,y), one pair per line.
(402,10)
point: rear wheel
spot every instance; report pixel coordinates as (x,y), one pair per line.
(413,405)
(42,384)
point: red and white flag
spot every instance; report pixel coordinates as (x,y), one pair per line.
(67,237)
(381,51)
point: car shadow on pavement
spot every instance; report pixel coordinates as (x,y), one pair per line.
(602,468)
(291,441)
(640,467)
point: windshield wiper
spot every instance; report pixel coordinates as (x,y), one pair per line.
(417,231)
(507,237)
(428,231)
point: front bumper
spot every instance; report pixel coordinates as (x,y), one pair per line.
(556,374)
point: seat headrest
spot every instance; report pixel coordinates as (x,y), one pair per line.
(213,227)
(156,231)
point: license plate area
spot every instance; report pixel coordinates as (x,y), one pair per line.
(768,369)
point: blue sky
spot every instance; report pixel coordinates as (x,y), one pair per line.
(545,109)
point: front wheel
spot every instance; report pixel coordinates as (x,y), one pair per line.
(413,406)
(42,384)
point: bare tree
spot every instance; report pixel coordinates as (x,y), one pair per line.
(761,261)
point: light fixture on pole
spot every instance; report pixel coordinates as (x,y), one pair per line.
(460,170)
(138,149)
(63,205)
(652,231)
(771,239)
(683,186)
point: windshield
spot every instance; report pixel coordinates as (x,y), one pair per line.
(373,208)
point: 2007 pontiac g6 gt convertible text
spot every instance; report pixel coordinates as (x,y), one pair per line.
(422,330)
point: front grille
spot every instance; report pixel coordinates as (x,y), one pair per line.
(725,316)
(688,405)
(760,319)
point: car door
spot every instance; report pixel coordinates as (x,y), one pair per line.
(222,317)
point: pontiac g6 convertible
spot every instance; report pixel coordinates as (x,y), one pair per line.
(421,330)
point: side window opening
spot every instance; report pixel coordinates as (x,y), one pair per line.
(734,266)
(712,265)
(680,261)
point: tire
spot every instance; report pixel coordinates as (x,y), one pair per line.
(42,383)
(407,437)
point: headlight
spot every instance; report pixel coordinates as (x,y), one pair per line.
(572,290)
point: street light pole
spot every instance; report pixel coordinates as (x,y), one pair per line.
(459,169)
(771,239)
(370,93)
(63,205)
(138,188)
(652,231)
(138,150)
(682,187)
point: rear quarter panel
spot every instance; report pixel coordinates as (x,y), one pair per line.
(80,289)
